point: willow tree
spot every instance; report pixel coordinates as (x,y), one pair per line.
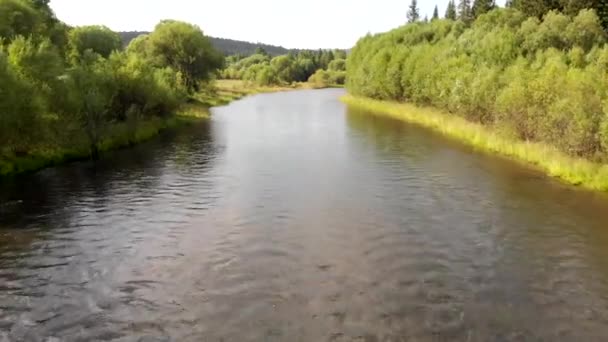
(186,49)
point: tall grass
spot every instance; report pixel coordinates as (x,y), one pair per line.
(571,170)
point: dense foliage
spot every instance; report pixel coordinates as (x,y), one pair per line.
(322,68)
(537,79)
(69,88)
(228,47)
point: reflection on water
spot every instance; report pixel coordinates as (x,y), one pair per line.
(290,218)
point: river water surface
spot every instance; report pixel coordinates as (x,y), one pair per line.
(288,217)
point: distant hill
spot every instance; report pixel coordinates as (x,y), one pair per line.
(227,46)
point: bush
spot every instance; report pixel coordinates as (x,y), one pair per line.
(320,79)
(98,39)
(286,69)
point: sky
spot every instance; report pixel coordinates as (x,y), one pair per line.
(305,24)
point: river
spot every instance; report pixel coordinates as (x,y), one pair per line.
(288,217)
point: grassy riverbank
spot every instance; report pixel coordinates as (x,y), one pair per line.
(226,91)
(126,134)
(119,135)
(571,170)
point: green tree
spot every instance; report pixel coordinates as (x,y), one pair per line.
(139,46)
(97,39)
(413,13)
(450,12)
(482,6)
(585,31)
(37,62)
(339,54)
(337,65)
(92,88)
(602,11)
(260,51)
(320,79)
(41,65)
(537,8)
(185,48)
(541,80)
(19,107)
(573,7)
(284,68)
(435,13)
(19,17)
(464,11)
(324,58)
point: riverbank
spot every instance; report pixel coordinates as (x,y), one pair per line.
(119,136)
(575,171)
(123,135)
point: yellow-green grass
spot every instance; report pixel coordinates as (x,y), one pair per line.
(225,91)
(576,171)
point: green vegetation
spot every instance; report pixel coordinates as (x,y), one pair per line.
(226,91)
(228,47)
(577,171)
(538,81)
(322,68)
(69,93)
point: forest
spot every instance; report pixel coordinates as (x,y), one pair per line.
(268,65)
(226,46)
(321,68)
(535,70)
(71,92)
(74,90)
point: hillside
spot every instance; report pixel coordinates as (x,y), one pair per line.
(227,46)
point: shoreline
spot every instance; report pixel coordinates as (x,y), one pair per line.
(117,139)
(571,170)
(223,93)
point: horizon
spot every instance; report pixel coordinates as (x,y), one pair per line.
(316,29)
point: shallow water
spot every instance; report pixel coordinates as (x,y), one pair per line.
(289,217)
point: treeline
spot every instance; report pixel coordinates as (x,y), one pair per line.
(322,68)
(67,88)
(226,46)
(541,80)
(468,10)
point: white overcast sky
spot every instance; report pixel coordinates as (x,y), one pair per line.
(290,23)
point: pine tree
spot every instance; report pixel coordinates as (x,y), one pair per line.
(537,8)
(450,13)
(464,11)
(435,13)
(482,6)
(601,8)
(413,13)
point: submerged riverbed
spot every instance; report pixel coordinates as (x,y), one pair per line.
(288,217)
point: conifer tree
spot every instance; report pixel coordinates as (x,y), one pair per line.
(601,8)
(450,13)
(464,11)
(413,13)
(482,6)
(435,13)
